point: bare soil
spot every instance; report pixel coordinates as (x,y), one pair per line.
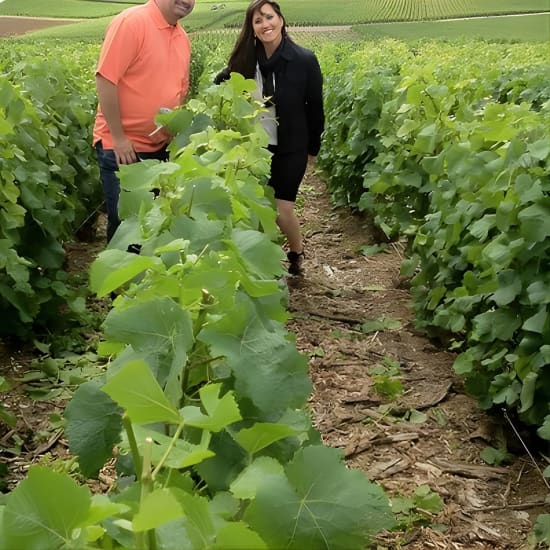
(15,25)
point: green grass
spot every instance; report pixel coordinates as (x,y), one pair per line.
(316,12)
(203,17)
(78,9)
(297,12)
(528,28)
(92,30)
(312,12)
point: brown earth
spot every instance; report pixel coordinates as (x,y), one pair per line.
(431,434)
(14,25)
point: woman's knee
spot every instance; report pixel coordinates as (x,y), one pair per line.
(285,208)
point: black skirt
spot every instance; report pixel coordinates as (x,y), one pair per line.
(287,172)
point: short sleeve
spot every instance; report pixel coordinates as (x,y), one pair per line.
(119,48)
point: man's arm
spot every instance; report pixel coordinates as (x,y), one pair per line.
(107,94)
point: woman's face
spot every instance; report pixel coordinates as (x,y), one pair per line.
(268,26)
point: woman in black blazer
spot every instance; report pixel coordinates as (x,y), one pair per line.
(289,80)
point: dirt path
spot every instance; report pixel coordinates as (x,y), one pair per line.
(433,434)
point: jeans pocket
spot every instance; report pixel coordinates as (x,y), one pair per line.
(106,158)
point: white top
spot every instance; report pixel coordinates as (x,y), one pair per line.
(267,119)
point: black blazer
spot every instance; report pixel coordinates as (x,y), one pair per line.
(298,99)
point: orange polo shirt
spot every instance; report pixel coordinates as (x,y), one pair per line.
(149,60)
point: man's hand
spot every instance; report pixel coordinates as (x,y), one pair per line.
(124,151)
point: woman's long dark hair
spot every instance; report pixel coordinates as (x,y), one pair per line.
(243,57)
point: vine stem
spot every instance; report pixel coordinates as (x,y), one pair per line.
(146,539)
(206,301)
(168,451)
(138,467)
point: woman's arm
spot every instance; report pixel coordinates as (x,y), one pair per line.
(314,105)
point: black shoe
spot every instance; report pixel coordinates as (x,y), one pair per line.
(295,260)
(134,248)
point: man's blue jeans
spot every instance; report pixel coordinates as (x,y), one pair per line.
(110,183)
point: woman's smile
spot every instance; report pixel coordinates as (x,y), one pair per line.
(268,27)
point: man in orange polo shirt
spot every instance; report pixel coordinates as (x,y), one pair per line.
(143,68)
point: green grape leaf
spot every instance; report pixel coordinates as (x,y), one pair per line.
(376,325)
(509,287)
(114,268)
(207,199)
(544,430)
(102,507)
(542,529)
(535,221)
(157,508)
(94,423)
(220,412)
(5,416)
(201,233)
(229,460)
(183,124)
(261,435)
(142,176)
(238,536)
(426,499)
(261,360)
(528,389)
(538,292)
(182,453)
(157,328)
(255,476)
(261,256)
(538,322)
(199,520)
(494,457)
(499,324)
(35,520)
(318,504)
(135,389)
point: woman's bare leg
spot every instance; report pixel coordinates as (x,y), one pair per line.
(289,225)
